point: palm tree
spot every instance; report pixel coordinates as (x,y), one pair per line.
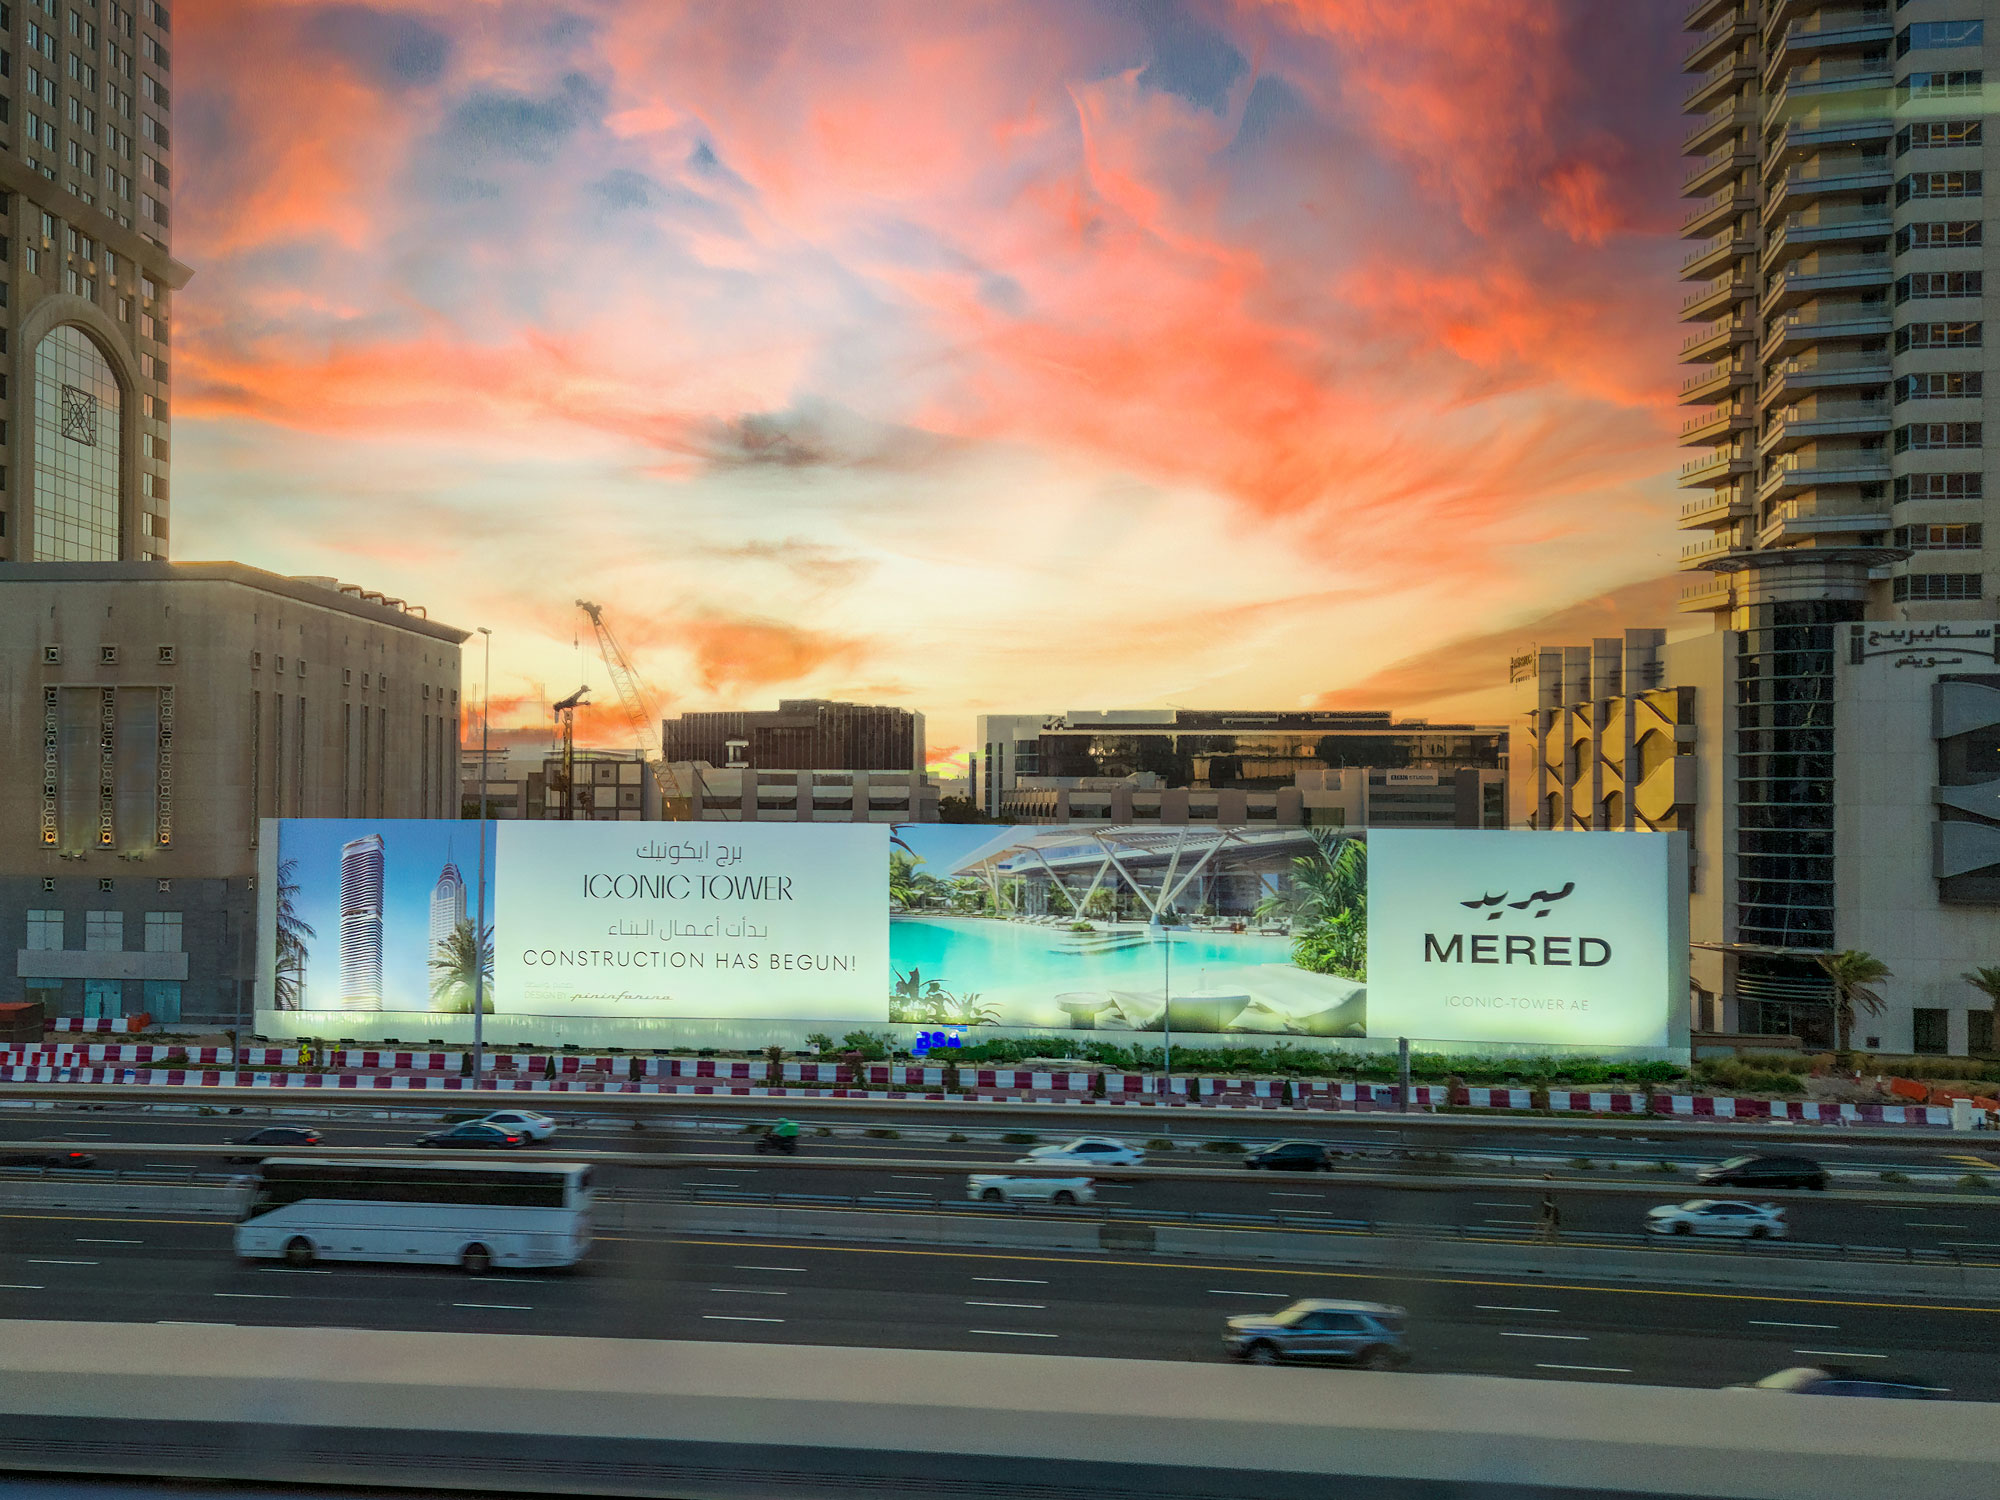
(453,967)
(1330,881)
(1854,975)
(293,934)
(1987,982)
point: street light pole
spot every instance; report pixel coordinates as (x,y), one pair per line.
(479,922)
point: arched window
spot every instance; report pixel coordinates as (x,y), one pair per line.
(77,471)
(1555,811)
(1655,750)
(1614,810)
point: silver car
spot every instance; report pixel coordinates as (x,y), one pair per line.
(1321,1331)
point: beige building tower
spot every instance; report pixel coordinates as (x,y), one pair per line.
(85,308)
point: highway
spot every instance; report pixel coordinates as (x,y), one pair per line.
(1902,1222)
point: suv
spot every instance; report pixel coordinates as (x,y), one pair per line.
(1318,1330)
(1765,1172)
(1290,1156)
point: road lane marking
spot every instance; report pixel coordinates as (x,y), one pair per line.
(1217,1291)
(1499,1307)
(33,1262)
(1012,1333)
(1925,1224)
(917,1176)
(1315,1197)
(1595,1369)
(1015,1280)
(190,1323)
(19,1286)
(1482,1203)
(1567,1338)
(1507,1221)
(1037,1306)
(83,1241)
(497,1306)
(793,1270)
(1840,1354)
(747,1291)
(1972,1244)
(1773,1323)
(733,1318)
(259,1296)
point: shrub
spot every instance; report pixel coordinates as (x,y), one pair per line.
(1895,1176)
(956,1137)
(1223,1148)
(1663,1166)
(883,1133)
(820,1040)
(1972,1180)
(1583,1164)
(1159,1143)
(1020,1138)
(821,1130)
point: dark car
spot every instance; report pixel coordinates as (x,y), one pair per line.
(1766,1172)
(1838,1380)
(473,1136)
(280,1136)
(63,1161)
(1290,1156)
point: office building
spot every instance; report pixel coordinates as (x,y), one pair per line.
(803,734)
(447,909)
(154,714)
(86,306)
(742,794)
(1289,768)
(361,923)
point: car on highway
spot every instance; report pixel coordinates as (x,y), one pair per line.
(1320,1330)
(61,1161)
(1838,1380)
(1763,1171)
(524,1121)
(1089,1151)
(1718,1216)
(278,1137)
(474,1135)
(1064,1192)
(1290,1156)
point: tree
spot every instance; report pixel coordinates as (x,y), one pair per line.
(1854,975)
(1326,902)
(1987,982)
(293,934)
(459,958)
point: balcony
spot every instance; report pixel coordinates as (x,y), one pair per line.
(1717,508)
(1714,425)
(1798,377)
(1851,89)
(1728,31)
(1827,31)
(1728,75)
(1847,419)
(1831,274)
(1855,469)
(1802,521)
(1699,554)
(1716,339)
(1723,162)
(1720,295)
(1799,235)
(1817,133)
(1719,467)
(1714,593)
(1709,215)
(1707,133)
(1795,332)
(1702,12)
(1705,387)
(1797,186)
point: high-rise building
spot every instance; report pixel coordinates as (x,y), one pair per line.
(447,908)
(361,878)
(802,734)
(85,319)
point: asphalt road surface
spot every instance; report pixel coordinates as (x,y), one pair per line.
(164,1269)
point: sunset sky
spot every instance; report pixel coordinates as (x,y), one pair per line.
(973,357)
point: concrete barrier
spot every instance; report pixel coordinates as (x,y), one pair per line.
(124,1196)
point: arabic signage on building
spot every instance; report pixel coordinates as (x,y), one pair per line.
(1948,643)
(1526,937)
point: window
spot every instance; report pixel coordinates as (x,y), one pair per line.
(1937,588)
(1950,536)
(152,90)
(148,167)
(41,41)
(1939,336)
(84,74)
(1942,385)
(1951,85)
(1930,1029)
(104,932)
(1939,234)
(82,116)
(1979,1032)
(1938,487)
(153,131)
(45,931)
(1939,185)
(157,13)
(41,86)
(1934,133)
(1922,284)
(1939,34)
(163,932)
(1922,435)
(151,208)
(153,52)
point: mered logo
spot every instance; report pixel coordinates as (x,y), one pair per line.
(1541,949)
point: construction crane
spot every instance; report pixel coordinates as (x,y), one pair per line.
(565,713)
(643,712)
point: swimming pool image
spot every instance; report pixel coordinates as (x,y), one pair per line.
(1116,977)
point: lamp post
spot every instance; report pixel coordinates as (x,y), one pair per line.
(479,921)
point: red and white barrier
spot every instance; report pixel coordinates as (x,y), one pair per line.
(119,1023)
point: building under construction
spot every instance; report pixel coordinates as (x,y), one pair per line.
(802,734)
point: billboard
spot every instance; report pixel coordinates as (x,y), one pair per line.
(1523,937)
(744,935)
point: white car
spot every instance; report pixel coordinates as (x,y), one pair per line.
(1089,1151)
(523,1121)
(1064,1192)
(1753,1221)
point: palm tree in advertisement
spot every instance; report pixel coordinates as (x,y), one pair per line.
(1854,975)
(294,932)
(458,959)
(1325,901)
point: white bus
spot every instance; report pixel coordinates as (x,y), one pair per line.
(475,1214)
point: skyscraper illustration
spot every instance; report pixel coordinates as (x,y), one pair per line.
(361,862)
(447,908)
